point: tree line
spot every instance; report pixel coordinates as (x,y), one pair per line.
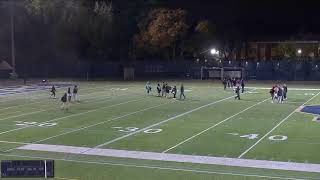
(101,30)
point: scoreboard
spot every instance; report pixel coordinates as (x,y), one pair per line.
(27,169)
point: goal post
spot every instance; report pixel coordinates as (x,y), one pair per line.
(221,72)
(211,73)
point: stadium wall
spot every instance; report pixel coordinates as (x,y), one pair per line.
(266,70)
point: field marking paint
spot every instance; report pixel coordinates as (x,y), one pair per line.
(103,122)
(39,96)
(35,112)
(281,122)
(211,127)
(85,95)
(14,142)
(170,168)
(77,114)
(164,121)
(65,178)
(295,89)
(178,158)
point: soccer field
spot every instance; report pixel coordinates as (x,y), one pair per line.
(117,131)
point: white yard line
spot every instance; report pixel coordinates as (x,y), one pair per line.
(180,158)
(164,121)
(43,110)
(295,89)
(47,94)
(77,114)
(103,122)
(281,122)
(171,168)
(211,127)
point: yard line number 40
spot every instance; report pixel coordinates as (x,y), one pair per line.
(255,136)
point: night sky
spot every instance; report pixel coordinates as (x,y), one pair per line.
(257,17)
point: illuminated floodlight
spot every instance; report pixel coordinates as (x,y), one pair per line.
(299,51)
(214,51)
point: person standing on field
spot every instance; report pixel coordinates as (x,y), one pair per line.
(75,93)
(237,90)
(242,85)
(174,92)
(53,92)
(64,100)
(159,89)
(224,82)
(69,95)
(285,91)
(182,92)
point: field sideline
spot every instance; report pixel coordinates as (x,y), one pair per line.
(210,123)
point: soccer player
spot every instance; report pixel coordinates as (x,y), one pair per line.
(280,95)
(168,88)
(285,91)
(182,92)
(53,92)
(242,85)
(163,89)
(64,105)
(159,89)
(272,93)
(148,87)
(237,92)
(224,82)
(75,93)
(69,95)
(174,92)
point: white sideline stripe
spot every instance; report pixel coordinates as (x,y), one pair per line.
(77,114)
(103,122)
(296,89)
(281,122)
(164,121)
(211,127)
(171,168)
(250,163)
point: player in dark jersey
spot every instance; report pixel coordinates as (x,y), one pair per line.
(168,88)
(224,82)
(64,100)
(159,89)
(285,91)
(53,92)
(75,93)
(182,92)
(174,92)
(242,85)
(237,92)
(69,95)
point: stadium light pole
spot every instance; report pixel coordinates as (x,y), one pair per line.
(13,55)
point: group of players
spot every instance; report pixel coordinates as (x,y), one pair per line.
(165,90)
(278,93)
(67,96)
(236,84)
